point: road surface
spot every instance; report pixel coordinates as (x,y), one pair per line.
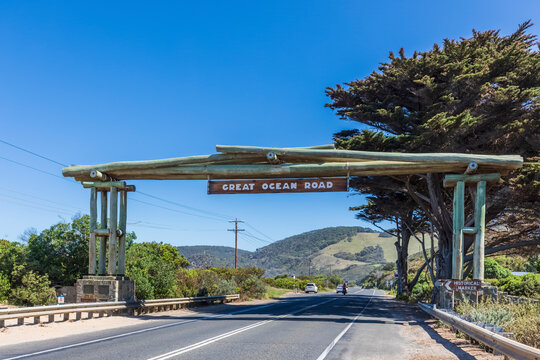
(364,324)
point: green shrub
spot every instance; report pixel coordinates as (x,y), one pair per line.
(34,289)
(252,287)
(521,319)
(5,287)
(527,285)
(492,269)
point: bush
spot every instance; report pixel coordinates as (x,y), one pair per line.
(527,285)
(520,319)
(492,269)
(5,287)
(34,289)
(252,287)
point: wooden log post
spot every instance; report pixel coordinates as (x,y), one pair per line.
(93,226)
(458,223)
(103,239)
(122,240)
(113,224)
(480,225)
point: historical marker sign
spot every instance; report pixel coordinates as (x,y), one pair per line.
(270,186)
(463,285)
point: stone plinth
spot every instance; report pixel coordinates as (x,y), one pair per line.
(105,288)
(445,295)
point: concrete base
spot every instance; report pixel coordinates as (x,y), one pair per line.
(105,288)
(445,296)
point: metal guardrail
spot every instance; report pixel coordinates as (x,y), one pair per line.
(495,341)
(101,308)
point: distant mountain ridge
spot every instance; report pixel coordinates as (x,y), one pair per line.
(300,254)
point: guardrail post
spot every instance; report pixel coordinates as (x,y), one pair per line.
(78,315)
(37,320)
(90,314)
(51,318)
(20,321)
(2,324)
(66,317)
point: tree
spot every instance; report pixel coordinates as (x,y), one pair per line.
(153,267)
(478,95)
(11,254)
(61,251)
(31,288)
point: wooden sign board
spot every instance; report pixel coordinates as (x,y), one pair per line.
(463,285)
(276,186)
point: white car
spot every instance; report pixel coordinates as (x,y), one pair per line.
(339,289)
(311,287)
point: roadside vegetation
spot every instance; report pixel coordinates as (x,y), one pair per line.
(323,282)
(31,270)
(520,319)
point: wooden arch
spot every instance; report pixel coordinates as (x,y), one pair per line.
(247,162)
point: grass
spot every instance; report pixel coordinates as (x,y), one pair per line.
(272,292)
(521,319)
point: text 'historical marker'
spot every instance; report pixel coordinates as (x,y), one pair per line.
(276,186)
(463,285)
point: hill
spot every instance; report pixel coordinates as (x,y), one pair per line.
(350,251)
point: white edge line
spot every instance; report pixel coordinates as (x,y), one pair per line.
(335,341)
(133,333)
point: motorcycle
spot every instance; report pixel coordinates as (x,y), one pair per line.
(344,291)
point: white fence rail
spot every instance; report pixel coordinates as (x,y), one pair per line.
(102,308)
(492,340)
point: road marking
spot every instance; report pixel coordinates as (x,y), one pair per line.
(230,333)
(134,332)
(335,341)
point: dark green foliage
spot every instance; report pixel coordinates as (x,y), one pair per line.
(30,288)
(493,270)
(527,285)
(61,251)
(370,254)
(5,287)
(220,281)
(478,95)
(11,254)
(153,267)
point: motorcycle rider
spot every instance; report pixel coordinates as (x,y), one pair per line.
(344,288)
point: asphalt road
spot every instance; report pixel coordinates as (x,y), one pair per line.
(361,324)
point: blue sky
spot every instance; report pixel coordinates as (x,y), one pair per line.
(94,82)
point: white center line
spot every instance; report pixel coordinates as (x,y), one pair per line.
(135,332)
(230,333)
(335,341)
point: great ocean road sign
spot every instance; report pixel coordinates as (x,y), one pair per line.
(264,186)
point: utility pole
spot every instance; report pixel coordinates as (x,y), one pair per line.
(236,230)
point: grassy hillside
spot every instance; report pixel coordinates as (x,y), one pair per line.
(318,251)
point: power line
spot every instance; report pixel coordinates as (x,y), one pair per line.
(225,217)
(176,210)
(258,238)
(260,232)
(33,153)
(33,168)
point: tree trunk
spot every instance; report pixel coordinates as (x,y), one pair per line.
(402,248)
